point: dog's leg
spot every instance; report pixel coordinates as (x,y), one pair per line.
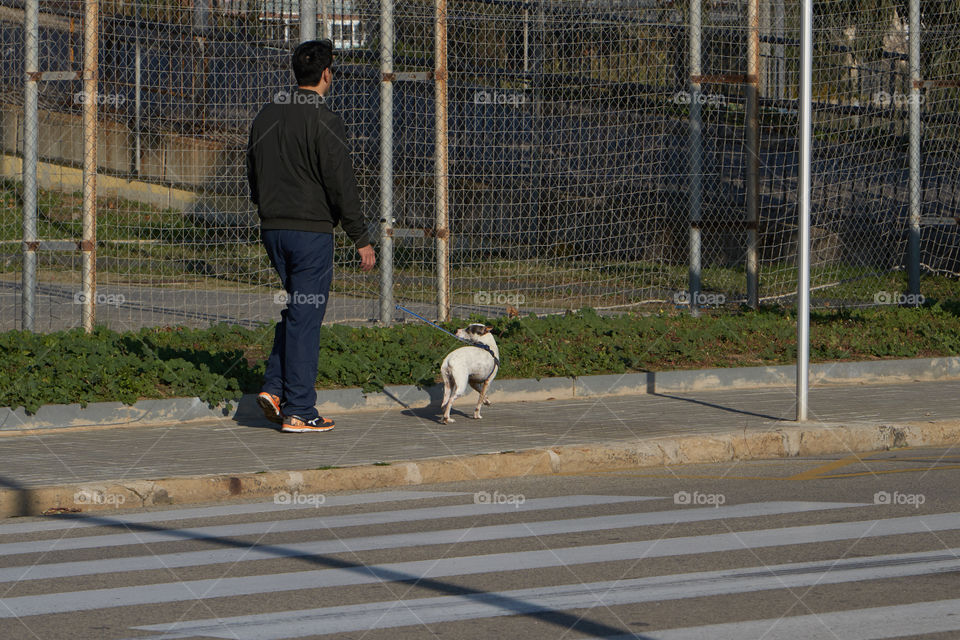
(447,393)
(478,387)
(458,385)
(445,376)
(482,399)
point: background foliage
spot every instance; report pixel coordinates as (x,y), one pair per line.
(223,362)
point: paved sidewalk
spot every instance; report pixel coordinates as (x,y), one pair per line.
(226,447)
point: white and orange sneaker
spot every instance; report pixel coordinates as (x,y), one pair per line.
(271,407)
(293,424)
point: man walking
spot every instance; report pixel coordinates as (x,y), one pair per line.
(302,181)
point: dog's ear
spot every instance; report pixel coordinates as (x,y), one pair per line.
(487,329)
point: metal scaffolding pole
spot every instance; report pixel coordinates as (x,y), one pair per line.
(308,20)
(88,244)
(753,150)
(440,167)
(803,246)
(916,202)
(780,50)
(386,162)
(325,19)
(696,155)
(28,291)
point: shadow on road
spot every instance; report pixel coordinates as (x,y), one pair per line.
(515,606)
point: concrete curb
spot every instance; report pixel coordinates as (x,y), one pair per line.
(332,402)
(654,452)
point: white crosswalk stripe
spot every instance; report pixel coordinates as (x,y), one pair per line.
(68,522)
(875,623)
(601,594)
(451,536)
(146,536)
(443,548)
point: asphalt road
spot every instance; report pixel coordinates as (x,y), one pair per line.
(843,547)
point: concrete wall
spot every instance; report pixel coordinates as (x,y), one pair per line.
(63,178)
(174,169)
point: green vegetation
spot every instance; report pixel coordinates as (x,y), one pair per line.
(220,363)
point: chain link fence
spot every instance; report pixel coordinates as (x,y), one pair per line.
(608,153)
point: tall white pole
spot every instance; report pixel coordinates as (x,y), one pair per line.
(752,88)
(308,20)
(803,246)
(696,158)
(916,82)
(30,149)
(88,243)
(386,162)
(441,172)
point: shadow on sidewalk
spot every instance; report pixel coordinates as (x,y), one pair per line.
(712,405)
(18,502)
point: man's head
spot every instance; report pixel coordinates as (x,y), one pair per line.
(312,64)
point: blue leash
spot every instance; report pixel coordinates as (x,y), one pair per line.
(479,345)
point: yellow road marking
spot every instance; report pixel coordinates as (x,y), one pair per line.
(867,473)
(810,474)
(911,459)
(800,476)
(687,477)
(693,477)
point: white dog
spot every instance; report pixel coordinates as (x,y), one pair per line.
(476,366)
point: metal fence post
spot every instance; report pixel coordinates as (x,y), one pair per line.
(696,155)
(440,167)
(308,20)
(28,293)
(386,162)
(88,244)
(325,20)
(753,150)
(916,203)
(137,91)
(201,16)
(803,210)
(780,50)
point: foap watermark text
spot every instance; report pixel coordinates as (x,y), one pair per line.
(498,297)
(86,496)
(699,499)
(298,97)
(297,498)
(99,299)
(316,300)
(897,99)
(895,297)
(701,299)
(711,99)
(896,498)
(102,99)
(485,497)
(513,98)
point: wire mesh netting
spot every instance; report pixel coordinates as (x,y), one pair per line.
(939,149)
(860,168)
(570,131)
(177,238)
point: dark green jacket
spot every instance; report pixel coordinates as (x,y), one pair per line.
(299,168)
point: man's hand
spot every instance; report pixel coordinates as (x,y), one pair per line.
(367,257)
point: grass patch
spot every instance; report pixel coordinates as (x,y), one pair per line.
(221,363)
